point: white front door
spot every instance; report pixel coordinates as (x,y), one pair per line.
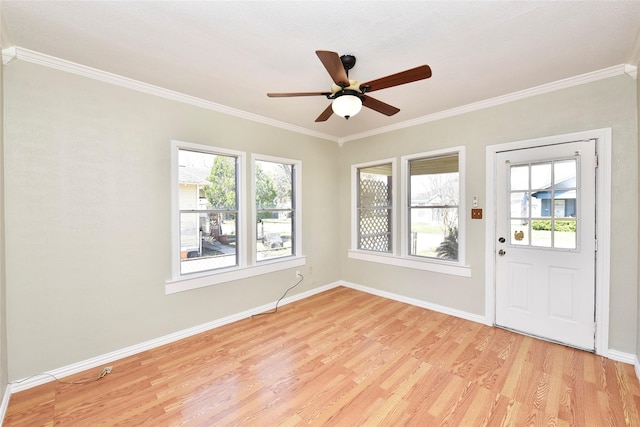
(545,249)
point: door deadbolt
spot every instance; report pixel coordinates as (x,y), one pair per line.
(501,240)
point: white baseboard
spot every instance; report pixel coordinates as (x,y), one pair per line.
(111,357)
(419,303)
(5,404)
(619,356)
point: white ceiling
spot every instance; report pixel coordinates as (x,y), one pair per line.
(233,52)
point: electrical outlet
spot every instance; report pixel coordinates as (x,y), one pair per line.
(476,213)
(298,274)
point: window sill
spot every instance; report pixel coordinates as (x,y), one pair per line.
(430,265)
(196,281)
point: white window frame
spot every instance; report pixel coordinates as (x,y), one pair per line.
(400,256)
(297,208)
(247,266)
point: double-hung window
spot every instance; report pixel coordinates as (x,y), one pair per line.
(208,195)
(275,185)
(374,207)
(433,207)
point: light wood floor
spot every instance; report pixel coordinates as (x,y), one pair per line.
(345,358)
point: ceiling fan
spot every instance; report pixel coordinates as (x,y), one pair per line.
(349,96)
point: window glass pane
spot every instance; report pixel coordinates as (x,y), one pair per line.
(431,233)
(540,176)
(520,205)
(434,181)
(194,175)
(221,192)
(541,233)
(207,241)
(374,225)
(434,189)
(273,185)
(374,208)
(274,235)
(564,235)
(565,173)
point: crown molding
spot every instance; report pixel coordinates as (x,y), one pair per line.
(27,55)
(9,54)
(631,70)
(605,73)
(15,52)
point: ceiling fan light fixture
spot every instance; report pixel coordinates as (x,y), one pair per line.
(346,105)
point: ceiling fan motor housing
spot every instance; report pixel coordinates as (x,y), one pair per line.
(348,62)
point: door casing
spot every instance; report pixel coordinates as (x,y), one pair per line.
(603,215)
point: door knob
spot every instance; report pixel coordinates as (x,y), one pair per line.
(501,252)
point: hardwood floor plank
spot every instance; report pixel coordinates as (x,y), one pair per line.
(344,357)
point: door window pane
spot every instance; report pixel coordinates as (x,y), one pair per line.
(520,205)
(519,178)
(540,175)
(565,234)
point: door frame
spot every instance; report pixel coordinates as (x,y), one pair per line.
(603,225)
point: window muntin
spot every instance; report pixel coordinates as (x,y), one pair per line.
(207,210)
(275,209)
(375,208)
(543,204)
(433,207)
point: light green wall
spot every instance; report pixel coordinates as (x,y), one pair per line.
(88,209)
(638,261)
(605,103)
(88,216)
(4,364)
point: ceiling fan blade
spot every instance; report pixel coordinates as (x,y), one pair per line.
(324,116)
(403,77)
(379,106)
(333,64)
(283,95)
